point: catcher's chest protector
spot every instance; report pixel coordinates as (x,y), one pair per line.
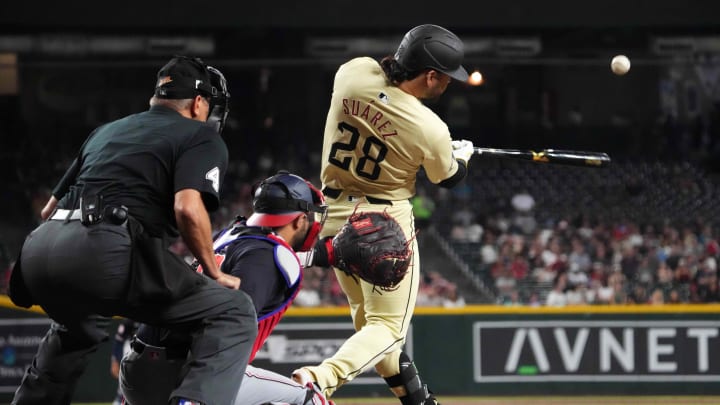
(286,262)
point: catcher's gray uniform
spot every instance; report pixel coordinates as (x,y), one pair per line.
(258,387)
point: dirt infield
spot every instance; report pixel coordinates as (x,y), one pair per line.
(565,400)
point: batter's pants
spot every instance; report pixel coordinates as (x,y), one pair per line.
(380,318)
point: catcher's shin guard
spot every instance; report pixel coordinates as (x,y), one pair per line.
(415,392)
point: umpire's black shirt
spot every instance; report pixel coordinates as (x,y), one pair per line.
(142,160)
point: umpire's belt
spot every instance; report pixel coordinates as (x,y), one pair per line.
(62,214)
(157,352)
(335,193)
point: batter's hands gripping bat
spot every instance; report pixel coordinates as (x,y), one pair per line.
(551,156)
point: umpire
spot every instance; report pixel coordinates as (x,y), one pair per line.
(137,184)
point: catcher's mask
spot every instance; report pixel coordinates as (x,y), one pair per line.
(280,199)
(186,77)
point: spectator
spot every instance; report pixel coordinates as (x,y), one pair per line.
(579,258)
(639,295)
(577,295)
(451,298)
(600,293)
(557,297)
(707,289)
(619,290)
(657,297)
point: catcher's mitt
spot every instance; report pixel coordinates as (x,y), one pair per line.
(372,246)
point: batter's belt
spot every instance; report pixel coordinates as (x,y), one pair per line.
(335,193)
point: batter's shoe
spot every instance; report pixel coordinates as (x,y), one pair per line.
(316,397)
(431,400)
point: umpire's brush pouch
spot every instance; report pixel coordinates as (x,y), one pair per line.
(156,274)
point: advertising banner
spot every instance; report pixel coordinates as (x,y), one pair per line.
(19,340)
(596,350)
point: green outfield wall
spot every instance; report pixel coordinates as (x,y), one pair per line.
(476,350)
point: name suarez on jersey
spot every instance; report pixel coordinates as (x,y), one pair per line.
(374,117)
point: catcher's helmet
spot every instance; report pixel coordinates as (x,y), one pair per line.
(283,197)
(187,77)
(434,47)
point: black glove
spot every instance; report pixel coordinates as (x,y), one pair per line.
(372,246)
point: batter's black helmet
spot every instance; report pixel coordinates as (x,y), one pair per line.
(434,47)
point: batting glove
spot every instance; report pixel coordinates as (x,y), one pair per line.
(462,150)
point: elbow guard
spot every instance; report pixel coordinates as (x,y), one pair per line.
(453,180)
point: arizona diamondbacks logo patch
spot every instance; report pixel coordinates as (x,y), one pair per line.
(214,176)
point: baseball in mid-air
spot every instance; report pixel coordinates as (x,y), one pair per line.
(620,64)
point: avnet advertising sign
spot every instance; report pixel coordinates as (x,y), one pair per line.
(587,350)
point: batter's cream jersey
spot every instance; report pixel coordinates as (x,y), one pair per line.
(377,136)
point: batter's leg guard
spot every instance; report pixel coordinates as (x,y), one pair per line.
(416,393)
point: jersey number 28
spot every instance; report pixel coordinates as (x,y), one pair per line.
(368,165)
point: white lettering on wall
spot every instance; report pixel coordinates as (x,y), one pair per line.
(655,349)
(571,357)
(702,335)
(535,344)
(624,354)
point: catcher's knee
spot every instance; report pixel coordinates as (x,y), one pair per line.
(408,386)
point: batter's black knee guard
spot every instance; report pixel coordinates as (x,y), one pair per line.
(416,393)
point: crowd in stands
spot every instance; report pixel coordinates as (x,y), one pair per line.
(651,246)
(599,263)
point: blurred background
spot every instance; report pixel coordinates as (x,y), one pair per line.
(601,253)
(644,230)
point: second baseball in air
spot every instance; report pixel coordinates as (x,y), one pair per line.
(620,64)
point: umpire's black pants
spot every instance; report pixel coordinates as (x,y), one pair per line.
(79,275)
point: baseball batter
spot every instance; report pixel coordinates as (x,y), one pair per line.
(378,135)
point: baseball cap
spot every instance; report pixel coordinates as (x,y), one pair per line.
(184,77)
(432,46)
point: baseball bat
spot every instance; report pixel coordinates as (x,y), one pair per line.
(551,156)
